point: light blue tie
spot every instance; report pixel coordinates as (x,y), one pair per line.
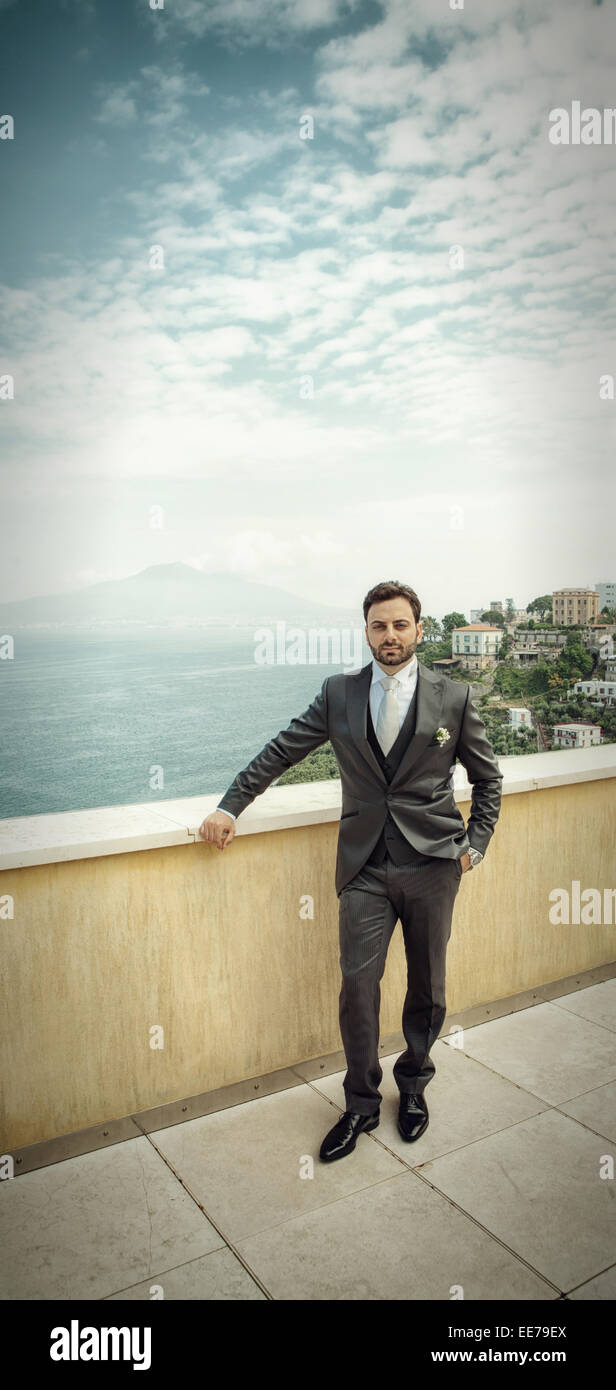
(388,719)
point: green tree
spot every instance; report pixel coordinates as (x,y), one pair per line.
(538,677)
(574,662)
(431,630)
(434,651)
(542,606)
(452,620)
(319,766)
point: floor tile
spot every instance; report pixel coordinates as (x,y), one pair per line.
(597,1109)
(465,1101)
(90,1225)
(547,1050)
(597,1003)
(216,1277)
(245,1164)
(537,1186)
(602,1287)
(399,1240)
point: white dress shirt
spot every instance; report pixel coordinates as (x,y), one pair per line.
(407,678)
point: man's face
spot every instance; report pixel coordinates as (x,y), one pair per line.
(392,633)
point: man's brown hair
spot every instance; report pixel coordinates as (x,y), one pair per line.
(391,588)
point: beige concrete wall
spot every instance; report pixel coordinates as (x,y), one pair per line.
(212,947)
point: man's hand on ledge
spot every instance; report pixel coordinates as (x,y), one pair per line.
(218,829)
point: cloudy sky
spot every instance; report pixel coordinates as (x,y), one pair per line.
(316,390)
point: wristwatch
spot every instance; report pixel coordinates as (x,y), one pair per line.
(476,857)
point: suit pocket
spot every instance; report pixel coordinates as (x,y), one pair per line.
(345,815)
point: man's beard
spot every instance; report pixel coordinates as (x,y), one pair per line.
(403,653)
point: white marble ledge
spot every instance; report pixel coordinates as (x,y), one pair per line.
(535,771)
(54,838)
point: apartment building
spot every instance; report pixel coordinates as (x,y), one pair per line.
(577,735)
(607,595)
(476,644)
(574,606)
(599,690)
(520,717)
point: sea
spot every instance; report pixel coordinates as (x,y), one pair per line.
(98,718)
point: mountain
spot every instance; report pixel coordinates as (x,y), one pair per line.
(165,595)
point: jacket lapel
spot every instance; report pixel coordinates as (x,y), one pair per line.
(358,692)
(430,698)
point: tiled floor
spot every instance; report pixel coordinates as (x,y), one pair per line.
(505,1195)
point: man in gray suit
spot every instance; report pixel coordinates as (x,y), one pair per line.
(396,729)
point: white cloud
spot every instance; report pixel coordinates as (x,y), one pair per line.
(249,552)
(259,21)
(330,258)
(158,95)
(118,106)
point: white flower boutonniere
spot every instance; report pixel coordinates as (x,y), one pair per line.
(442,736)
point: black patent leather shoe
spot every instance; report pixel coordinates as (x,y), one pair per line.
(412,1116)
(343,1137)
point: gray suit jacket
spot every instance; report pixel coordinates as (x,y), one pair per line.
(420,796)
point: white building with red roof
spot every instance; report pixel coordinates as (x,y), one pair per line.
(476,644)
